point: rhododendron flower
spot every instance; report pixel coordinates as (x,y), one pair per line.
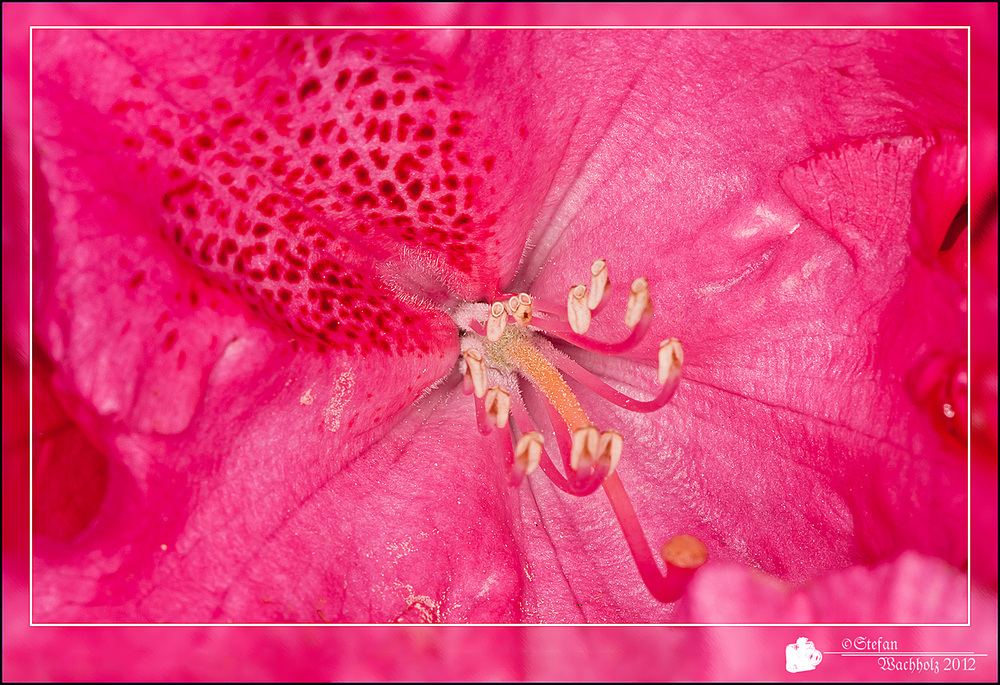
(270,262)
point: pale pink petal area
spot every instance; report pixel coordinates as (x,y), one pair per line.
(248,653)
(911,589)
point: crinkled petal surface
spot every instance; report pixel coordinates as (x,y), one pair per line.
(251,236)
(788,277)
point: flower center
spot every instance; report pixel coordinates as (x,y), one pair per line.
(508,356)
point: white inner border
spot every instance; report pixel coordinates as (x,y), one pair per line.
(968,285)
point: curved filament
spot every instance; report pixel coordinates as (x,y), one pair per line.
(574,370)
(563,331)
(481,419)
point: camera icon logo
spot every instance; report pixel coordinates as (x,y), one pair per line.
(802,655)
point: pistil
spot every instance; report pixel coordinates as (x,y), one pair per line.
(548,380)
(683,554)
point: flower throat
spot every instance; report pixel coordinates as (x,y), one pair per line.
(508,354)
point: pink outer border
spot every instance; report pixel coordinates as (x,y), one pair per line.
(444,653)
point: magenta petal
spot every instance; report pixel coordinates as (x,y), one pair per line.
(941,191)
(264,531)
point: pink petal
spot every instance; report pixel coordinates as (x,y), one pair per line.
(792,328)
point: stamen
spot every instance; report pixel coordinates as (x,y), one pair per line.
(598,284)
(590,449)
(609,449)
(497,323)
(497,406)
(576,309)
(563,331)
(528,453)
(638,302)
(670,360)
(536,304)
(574,370)
(683,554)
(521,307)
(584,450)
(475,371)
(576,485)
(478,329)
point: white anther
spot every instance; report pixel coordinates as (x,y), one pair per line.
(497,323)
(598,283)
(475,369)
(584,450)
(498,406)
(610,447)
(577,311)
(671,359)
(521,307)
(638,301)
(529,451)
